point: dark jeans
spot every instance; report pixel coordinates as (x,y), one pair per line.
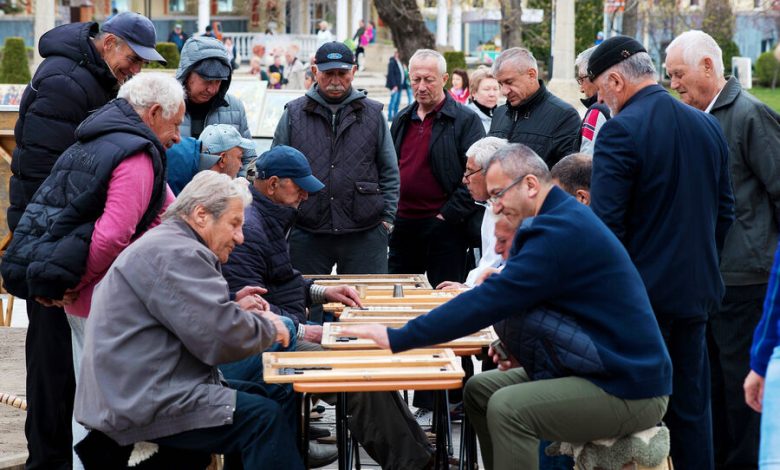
(430,246)
(735,427)
(51,387)
(258,437)
(353,253)
(688,416)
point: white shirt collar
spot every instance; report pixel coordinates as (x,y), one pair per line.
(712,103)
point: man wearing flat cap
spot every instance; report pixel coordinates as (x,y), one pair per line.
(345,137)
(205,72)
(661,183)
(82,69)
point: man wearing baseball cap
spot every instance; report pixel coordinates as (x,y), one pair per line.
(81,71)
(381,421)
(345,138)
(220,148)
(661,183)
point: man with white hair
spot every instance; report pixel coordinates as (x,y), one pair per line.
(695,65)
(661,183)
(532,115)
(162,322)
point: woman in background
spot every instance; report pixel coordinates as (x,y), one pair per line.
(460,86)
(484,95)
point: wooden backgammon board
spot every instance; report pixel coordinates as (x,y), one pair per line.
(410,280)
(388,313)
(333,339)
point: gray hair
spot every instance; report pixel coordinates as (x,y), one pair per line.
(517,160)
(581,62)
(212,191)
(423,54)
(520,57)
(573,172)
(636,68)
(696,46)
(149,88)
(483,149)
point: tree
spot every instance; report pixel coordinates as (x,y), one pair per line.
(511,23)
(15,68)
(719,21)
(588,20)
(407,25)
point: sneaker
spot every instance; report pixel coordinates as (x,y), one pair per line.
(423,417)
(321,454)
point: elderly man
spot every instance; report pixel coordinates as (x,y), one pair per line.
(295,70)
(582,379)
(752,129)
(597,113)
(163,314)
(205,72)
(572,174)
(80,72)
(474,178)
(532,115)
(661,183)
(431,139)
(382,422)
(220,148)
(348,223)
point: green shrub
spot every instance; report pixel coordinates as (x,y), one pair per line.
(766,68)
(15,68)
(170,53)
(729,49)
(455,60)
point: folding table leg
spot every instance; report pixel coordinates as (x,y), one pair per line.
(305,419)
(440,408)
(450,450)
(342,432)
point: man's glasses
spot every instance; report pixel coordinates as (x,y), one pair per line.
(497,197)
(581,79)
(468,174)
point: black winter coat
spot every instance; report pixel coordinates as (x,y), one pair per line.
(71,82)
(264,259)
(543,122)
(455,129)
(49,251)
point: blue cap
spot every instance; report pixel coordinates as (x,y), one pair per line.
(218,138)
(137,31)
(287,162)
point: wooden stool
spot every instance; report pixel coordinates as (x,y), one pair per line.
(7,312)
(644,450)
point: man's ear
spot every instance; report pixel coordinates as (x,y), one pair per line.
(708,65)
(533,73)
(583,196)
(200,216)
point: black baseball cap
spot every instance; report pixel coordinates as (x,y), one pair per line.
(334,55)
(611,52)
(138,32)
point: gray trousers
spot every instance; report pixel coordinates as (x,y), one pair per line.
(352,253)
(510,413)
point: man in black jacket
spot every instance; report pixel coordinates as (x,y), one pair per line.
(532,115)
(79,74)
(431,138)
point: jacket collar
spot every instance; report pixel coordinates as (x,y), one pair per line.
(189,232)
(531,102)
(646,91)
(588,102)
(728,94)
(283,215)
(449,108)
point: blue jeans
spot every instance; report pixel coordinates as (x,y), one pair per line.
(769,454)
(392,107)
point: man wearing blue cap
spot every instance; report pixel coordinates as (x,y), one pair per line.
(81,71)
(661,183)
(381,421)
(220,148)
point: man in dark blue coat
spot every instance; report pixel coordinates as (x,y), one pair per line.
(81,70)
(661,183)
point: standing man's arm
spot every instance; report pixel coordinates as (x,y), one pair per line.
(249,154)
(760,146)
(614,164)
(282,132)
(461,204)
(725,199)
(566,136)
(389,176)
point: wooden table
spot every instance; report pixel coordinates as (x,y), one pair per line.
(412,280)
(342,372)
(333,339)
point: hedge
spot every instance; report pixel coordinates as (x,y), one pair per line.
(15,67)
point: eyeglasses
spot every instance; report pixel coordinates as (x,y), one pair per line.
(468,174)
(497,197)
(581,79)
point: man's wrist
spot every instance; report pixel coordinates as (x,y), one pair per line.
(301,331)
(317,293)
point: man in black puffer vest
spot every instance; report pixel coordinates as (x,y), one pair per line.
(80,72)
(345,138)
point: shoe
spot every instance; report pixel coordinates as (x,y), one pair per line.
(423,417)
(456,412)
(322,454)
(317,412)
(318,433)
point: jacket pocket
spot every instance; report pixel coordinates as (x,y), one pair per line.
(367,204)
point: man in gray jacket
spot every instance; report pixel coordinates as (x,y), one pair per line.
(205,72)
(163,320)
(346,140)
(695,65)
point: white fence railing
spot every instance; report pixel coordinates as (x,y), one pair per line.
(245,41)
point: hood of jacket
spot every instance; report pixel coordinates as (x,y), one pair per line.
(74,42)
(353,95)
(195,50)
(116,116)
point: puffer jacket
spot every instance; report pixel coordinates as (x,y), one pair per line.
(264,259)
(49,251)
(71,82)
(225,108)
(543,122)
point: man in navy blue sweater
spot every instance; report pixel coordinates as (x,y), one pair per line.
(594,362)
(661,183)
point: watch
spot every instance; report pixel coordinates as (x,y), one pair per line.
(388,226)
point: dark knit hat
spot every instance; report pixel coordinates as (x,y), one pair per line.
(610,52)
(212,69)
